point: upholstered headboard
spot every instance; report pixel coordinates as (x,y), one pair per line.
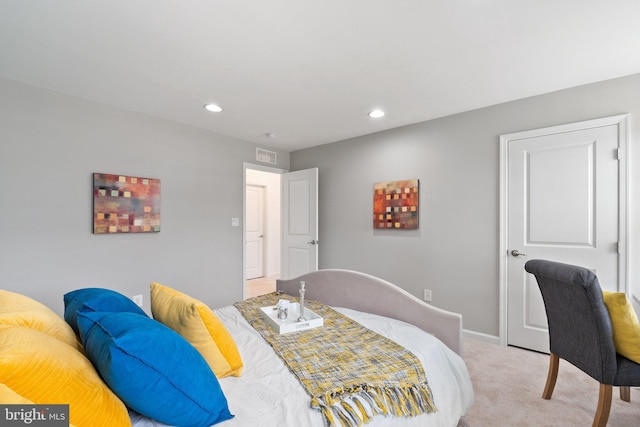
(363,292)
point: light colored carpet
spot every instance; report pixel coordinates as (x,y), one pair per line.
(508,384)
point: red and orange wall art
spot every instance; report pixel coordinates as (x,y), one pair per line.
(125,204)
(395,204)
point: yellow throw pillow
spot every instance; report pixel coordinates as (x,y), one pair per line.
(624,321)
(41,369)
(200,326)
(20,310)
(10,397)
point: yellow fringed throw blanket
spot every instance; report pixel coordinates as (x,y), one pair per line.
(351,373)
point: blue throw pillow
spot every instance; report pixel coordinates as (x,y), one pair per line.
(96,299)
(153,369)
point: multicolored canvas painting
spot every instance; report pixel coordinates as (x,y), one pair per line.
(395,204)
(125,204)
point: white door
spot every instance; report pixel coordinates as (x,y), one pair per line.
(563,204)
(299,223)
(254,232)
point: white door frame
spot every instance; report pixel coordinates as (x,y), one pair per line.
(245,166)
(622,121)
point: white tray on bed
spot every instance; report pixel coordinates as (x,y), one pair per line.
(291,324)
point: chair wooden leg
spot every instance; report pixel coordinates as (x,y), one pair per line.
(552,376)
(625,393)
(604,405)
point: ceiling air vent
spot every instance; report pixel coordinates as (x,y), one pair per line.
(265,156)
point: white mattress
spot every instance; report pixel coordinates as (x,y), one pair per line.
(267,395)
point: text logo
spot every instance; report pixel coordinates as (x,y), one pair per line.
(34,415)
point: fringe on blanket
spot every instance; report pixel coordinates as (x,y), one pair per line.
(365,402)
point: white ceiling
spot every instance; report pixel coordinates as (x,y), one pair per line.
(310,71)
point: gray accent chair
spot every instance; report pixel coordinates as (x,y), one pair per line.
(580,332)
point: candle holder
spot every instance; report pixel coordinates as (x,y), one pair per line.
(302,290)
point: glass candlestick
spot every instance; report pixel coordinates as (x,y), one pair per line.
(302,318)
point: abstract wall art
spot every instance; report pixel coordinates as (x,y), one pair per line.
(125,204)
(395,204)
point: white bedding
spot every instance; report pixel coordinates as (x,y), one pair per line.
(267,395)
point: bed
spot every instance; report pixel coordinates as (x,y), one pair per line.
(265,393)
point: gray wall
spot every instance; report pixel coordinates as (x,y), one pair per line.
(49,147)
(455,250)
(51,144)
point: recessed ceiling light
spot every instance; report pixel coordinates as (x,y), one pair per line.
(214,108)
(376,114)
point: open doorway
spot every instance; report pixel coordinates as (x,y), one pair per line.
(262,236)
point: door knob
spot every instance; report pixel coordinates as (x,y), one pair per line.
(516,252)
(313,242)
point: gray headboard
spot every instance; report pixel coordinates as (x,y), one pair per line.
(363,292)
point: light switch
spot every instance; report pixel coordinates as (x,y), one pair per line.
(235,222)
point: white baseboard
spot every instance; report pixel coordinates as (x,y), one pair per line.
(480,336)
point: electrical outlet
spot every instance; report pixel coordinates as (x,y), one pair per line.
(427,295)
(138,300)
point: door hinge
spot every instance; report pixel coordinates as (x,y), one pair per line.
(618,154)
